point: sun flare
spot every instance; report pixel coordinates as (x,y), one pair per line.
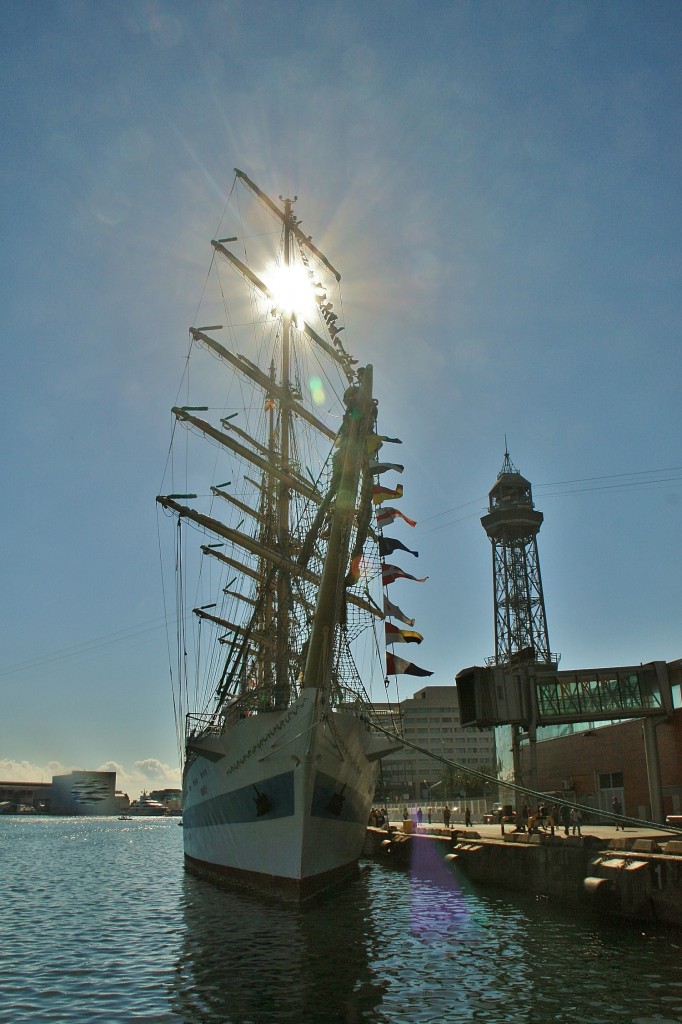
(317,392)
(291,290)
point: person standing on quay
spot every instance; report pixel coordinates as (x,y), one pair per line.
(565,817)
(617,808)
(467,818)
(446,816)
(576,820)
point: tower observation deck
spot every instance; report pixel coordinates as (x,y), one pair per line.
(512,524)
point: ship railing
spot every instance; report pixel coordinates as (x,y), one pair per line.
(258,699)
(201,725)
(252,701)
(344,698)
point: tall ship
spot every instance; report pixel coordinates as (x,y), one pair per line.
(280,620)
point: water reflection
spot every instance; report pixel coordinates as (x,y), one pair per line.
(245,958)
(459,958)
(457,953)
(100,924)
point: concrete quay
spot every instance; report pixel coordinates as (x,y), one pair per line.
(634,874)
(603,832)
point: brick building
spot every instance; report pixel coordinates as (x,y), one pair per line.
(594,765)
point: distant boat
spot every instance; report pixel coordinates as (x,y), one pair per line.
(124,817)
(280,761)
(145,806)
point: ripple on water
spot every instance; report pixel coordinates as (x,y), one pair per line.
(98,923)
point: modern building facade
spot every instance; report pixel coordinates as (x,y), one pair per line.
(84,793)
(430,719)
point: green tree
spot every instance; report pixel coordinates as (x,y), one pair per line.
(457,781)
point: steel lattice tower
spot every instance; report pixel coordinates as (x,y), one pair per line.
(512,523)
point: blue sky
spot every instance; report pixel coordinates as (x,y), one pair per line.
(499,184)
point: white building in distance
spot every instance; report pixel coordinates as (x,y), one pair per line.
(88,793)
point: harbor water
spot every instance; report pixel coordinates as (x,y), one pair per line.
(98,922)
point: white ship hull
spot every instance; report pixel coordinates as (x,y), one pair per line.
(281,800)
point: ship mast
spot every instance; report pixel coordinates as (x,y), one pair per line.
(282,685)
(282,569)
(270,529)
(360,413)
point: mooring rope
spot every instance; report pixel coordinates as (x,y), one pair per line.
(525,790)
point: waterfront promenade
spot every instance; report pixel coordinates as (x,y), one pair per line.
(494,831)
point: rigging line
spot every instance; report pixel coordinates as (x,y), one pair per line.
(215,658)
(611,476)
(177,718)
(393,711)
(333,386)
(203,290)
(452,522)
(168,453)
(456,508)
(555,494)
(524,790)
(218,229)
(354,677)
(382,660)
(261,329)
(612,487)
(86,647)
(228,316)
(174,422)
(185,373)
(586,479)
(577,480)
(179,641)
(484,776)
(50,667)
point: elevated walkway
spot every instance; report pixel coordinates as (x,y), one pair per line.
(537,694)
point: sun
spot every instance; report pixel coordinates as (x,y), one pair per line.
(291,290)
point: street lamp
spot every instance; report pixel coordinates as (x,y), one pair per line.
(439,783)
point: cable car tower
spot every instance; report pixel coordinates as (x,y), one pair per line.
(513,524)
(521,689)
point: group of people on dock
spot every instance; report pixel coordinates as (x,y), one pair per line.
(418,816)
(543,818)
(447,815)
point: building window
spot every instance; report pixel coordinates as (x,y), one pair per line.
(610,780)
